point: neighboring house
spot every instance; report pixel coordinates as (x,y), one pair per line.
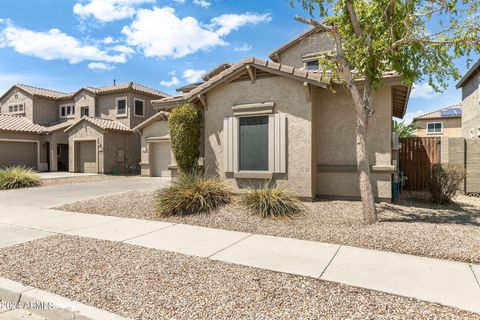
(471,102)
(446,122)
(89,130)
(279,121)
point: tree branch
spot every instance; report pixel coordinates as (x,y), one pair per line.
(314,23)
(354,19)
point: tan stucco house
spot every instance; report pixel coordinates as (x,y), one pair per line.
(279,121)
(470,85)
(89,130)
(445,122)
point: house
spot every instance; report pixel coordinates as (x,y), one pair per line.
(471,102)
(280,121)
(446,122)
(89,130)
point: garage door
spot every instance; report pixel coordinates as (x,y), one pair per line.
(160,159)
(87,157)
(18,153)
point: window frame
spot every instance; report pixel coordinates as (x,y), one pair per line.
(82,111)
(269,169)
(434,123)
(121,115)
(135,108)
(65,107)
(306,61)
(18,108)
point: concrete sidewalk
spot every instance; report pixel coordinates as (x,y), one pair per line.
(449,283)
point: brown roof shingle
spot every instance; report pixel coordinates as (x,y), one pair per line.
(18,124)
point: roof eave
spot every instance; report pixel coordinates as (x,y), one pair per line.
(468,74)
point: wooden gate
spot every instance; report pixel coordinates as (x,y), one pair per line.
(416,156)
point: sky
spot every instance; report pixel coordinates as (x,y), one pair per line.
(64,45)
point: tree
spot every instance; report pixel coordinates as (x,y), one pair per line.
(416,38)
(184,127)
(403,130)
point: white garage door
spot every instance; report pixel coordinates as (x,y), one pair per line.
(87,158)
(18,153)
(160,158)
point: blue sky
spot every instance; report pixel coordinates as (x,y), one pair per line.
(64,44)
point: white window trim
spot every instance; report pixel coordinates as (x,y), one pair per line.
(134,108)
(433,133)
(66,116)
(18,105)
(83,108)
(121,115)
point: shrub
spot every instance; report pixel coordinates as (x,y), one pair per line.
(271,201)
(444,181)
(184,128)
(192,193)
(18,177)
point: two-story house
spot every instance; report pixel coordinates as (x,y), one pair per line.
(444,122)
(89,130)
(279,120)
(470,85)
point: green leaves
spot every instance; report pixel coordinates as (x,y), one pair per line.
(403,130)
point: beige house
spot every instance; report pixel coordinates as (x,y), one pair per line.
(89,130)
(445,122)
(279,121)
(470,85)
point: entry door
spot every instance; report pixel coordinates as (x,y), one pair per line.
(87,157)
(160,158)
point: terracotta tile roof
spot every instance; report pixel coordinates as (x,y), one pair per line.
(188,87)
(105,124)
(41,92)
(59,126)
(125,86)
(453,111)
(18,124)
(303,35)
(161,115)
(212,73)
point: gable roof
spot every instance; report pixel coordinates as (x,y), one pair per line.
(18,124)
(58,126)
(455,112)
(212,73)
(104,124)
(35,91)
(161,115)
(274,55)
(468,74)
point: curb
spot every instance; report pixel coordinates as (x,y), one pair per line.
(15,295)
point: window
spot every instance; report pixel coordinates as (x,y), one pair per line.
(15,108)
(121,106)
(10,109)
(67,111)
(253,143)
(434,127)
(18,108)
(312,65)
(139,107)
(84,111)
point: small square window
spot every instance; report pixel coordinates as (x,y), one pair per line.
(15,108)
(20,108)
(121,107)
(434,127)
(312,65)
(139,108)
(10,109)
(62,112)
(84,111)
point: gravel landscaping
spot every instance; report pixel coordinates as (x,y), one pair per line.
(149,284)
(410,226)
(73,180)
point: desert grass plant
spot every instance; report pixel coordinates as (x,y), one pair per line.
(191,194)
(444,181)
(271,201)
(18,177)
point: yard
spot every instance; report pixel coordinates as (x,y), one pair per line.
(410,226)
(150,284)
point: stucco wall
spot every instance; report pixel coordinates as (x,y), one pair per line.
(471,106)
(292,56)
(84,99)
(336,143)
(155,129)
(289,98)
(85,131)
(129,143)
(451,128)
(45,111)
(18,97)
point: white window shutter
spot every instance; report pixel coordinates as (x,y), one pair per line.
(277,143)
(230,144)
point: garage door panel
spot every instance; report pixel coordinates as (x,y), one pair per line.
(18,153)
(87,157)
(160,159)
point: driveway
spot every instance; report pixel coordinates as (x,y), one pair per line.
(52,196)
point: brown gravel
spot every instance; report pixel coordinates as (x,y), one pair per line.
(73,180)
(150,284)
(412,227)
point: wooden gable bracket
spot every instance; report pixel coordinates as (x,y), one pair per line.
(203,100)
(308,91)
(252,72)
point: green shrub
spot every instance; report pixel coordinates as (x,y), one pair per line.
(184,127)
(271,201)
(18,177)
(192,193)
(444,181)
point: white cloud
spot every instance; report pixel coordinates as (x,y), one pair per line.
(192,75)
(100,66)
(202,3)
(54,44)
(423,91)
(108,40)
(173,82)
(409,116)
(159,32)
(243,48)
(108,10)
(231,22)
(123,49)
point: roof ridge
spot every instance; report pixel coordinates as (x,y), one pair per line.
(456,105)
(35,87)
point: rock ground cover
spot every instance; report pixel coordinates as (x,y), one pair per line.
(150,284)
(410,226)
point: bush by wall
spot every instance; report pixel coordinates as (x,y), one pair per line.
(444,181)
(18,177)
(184,127)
